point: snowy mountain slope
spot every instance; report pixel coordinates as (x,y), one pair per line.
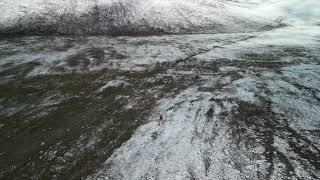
(132,16)
(208,105)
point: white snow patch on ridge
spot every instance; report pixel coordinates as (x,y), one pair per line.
(113,84)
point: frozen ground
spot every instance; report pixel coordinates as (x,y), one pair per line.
(253,113)
(240,104)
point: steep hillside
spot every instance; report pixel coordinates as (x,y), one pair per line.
(132,17)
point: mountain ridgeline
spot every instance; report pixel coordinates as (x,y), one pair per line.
(99,19)
(131,17)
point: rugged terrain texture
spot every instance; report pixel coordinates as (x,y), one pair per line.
(242,105)
(130,17)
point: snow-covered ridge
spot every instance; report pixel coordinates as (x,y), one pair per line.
(132,17)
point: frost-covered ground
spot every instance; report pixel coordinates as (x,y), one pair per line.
(253,114)
(241,102)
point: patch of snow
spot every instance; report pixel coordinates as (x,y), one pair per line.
(185,141)
(113,84)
